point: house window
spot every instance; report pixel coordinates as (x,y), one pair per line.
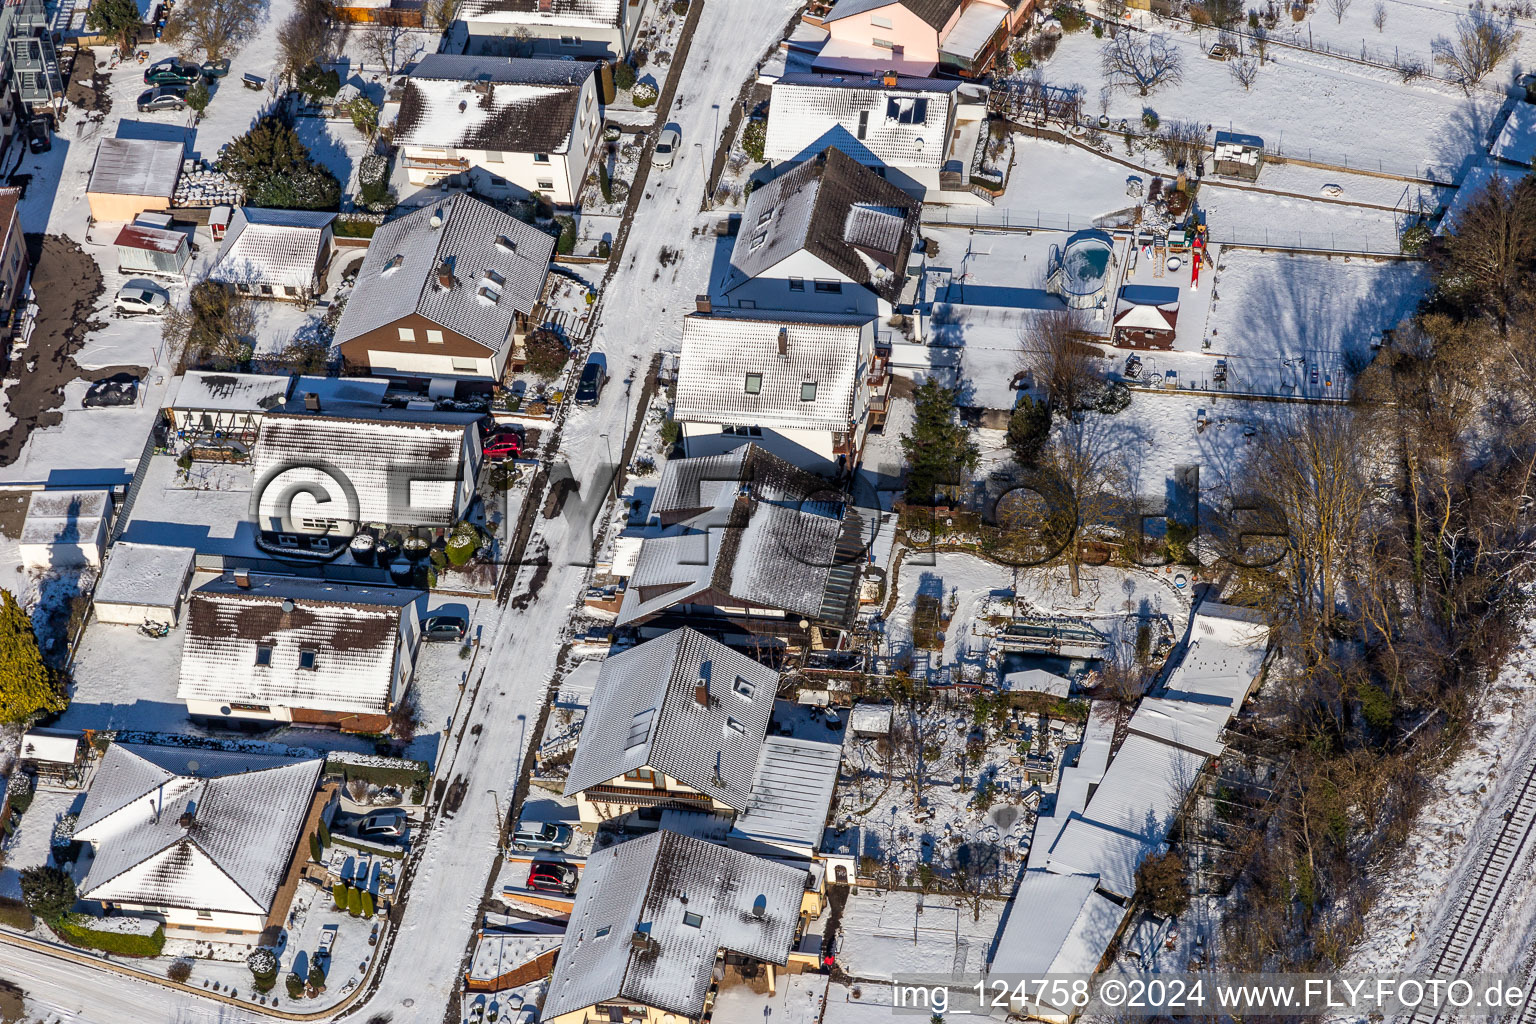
(498,182)
(604,930)
(884,44)
(863,123)
(409,333)
(266,289)
(546,183)
(880,21)
(205,915)
(260,709)
(742,688)
(466,365)
(640,775)
(434,337)
(493,156)
(797,284)
(693,920)
(307,659)
(732,725)
(808,391)
(393,263)
(497,279)
(754,385)
(829,287)
(570,40)
(541,158)
(264,654)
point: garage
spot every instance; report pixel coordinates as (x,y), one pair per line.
(144,583)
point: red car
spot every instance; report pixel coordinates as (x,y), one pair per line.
(503,443)
(550,876)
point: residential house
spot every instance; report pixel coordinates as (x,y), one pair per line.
(446,293)
(1146,316)
(276,254)
(830,236)
(678,721)
(204,842)
(800,386)
(750,548)
(655,916)
(14,265)
(918,37)
(586,29)
(264,649)
(506,127)
(322,476)
(920,134)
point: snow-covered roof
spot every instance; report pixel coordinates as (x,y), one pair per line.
(58,748)
(148,237)
(1036,680)
(870,720)
(749,527)
(206,391)
(1517,139)
(199,840)
(500,104)
(65,517)
(791,792)
(651,915)
(1147,307)
(746,368)
(402,471)
(1056,925)
(839,211)
(460,262)
(152,575)
(572,13)
(136,167)
(976,27)
(935,12)
(278,248)
(645,712)
(906,125)
(500,953)
(349,636)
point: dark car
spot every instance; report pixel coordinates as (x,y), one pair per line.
(549,876)
(444,627)
(172,71)
(165,97)
(118,389)
(590,385)
(39,137)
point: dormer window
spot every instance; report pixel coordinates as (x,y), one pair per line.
(505,244)
(494,278)
(264,655)
(732,725)
(393,264)
(489,294)
(765,217)
(743,689)
(754,384)
(808,391)
(757,241)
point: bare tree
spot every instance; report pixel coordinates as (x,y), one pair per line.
(1485,258)
(1379,15)
(214,26)
(1259,41)
(1082,481)
(440,14)
(1482,41)
(1181,142)
(1054,351)
(1245,69)
(1339,9)
(381,45)
(306,37)
(1142,61)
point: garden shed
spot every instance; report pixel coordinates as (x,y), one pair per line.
(131,176)
(1236,155)
(65,529)
(145,249)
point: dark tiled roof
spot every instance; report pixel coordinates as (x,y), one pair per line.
(525,105)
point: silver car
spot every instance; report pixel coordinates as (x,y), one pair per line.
(666,146)
(541,835)
(141,295)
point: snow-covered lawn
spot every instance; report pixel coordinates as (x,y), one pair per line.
(30,845)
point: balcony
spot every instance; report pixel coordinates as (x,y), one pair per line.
(445,164)
(35,70)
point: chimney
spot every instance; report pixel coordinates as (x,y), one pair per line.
(445,279)
(889,80)
(701,693)
(702,304)
(243,579)
(545,6)
(311,402)
(783,341)
(186,819)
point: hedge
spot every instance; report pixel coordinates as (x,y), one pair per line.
(118,943)
(392,852)
(315,853)
(379,775)
(354,902)
(367,902)
(353,228)
(323,832)
(14,914)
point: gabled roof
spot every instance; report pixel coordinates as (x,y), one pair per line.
(272,247)
(207,841)
(721,350)
(841,212)
(645,713)
(576,13)
(353,633)
(506,104)
(1147,307)
(903,126)
(749,526)
(1057,924)
(935,13)
(476,244)
(651,915)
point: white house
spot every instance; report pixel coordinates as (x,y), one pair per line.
(596,29)
(507,127)
(65,529)
(446,293)
(275,254)
(198,841)
(920,134)
(798,385)
(830,236)
(284,649)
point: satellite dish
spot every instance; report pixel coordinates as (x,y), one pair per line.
(287,604)
(192,767)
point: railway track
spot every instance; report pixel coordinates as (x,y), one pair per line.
(1463,944)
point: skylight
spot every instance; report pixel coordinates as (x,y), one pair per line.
(808,391)
(754,385)
(639,729)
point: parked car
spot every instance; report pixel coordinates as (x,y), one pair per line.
(541,835)
(172,71)
(39,135)
(118,389)
(550,876)
(444,627)
(502,443)
(165,97)
(591,383)
(666,146)
(142,295)
(382,824)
